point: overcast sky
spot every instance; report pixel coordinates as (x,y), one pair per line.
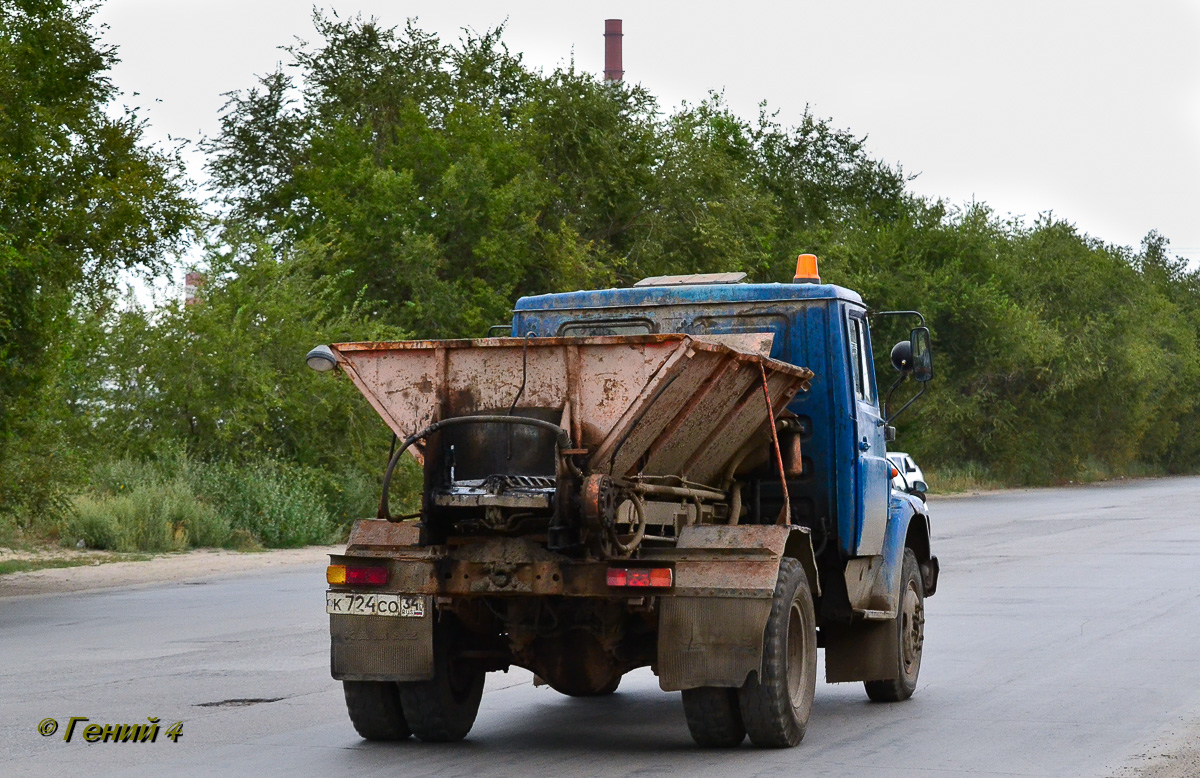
(1087,109)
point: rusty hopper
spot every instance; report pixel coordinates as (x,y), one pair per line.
(645,405)
(547,459)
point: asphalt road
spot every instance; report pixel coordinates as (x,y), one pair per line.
(1065,638)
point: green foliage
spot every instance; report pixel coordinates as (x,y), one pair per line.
(174,501)
(281,505)
(958,478)
(226,378)
(82,198)
(1052,349)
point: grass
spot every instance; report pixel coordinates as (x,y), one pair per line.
(973,477)
(26,565)
(176,502)
(956,479)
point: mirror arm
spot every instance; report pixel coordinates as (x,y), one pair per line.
(887,400)
(918,314)
(911,400)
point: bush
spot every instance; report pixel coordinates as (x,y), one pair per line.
(961,477)
(279,504)
(94,521)
(175,502)
(158,517)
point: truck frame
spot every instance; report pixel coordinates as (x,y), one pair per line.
(688,474)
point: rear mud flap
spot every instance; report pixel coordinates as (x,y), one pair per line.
(865,651)
(709,641)
(381,648)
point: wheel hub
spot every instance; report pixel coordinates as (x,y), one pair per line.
(912,629)
(795,656)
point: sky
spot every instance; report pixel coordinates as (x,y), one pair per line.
(1089,110)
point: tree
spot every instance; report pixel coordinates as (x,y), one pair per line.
(225,378)
(82,198)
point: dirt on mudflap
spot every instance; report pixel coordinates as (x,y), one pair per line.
(96,569)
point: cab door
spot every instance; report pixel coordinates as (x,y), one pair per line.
(872,469)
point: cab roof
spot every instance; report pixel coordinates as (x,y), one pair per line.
(684,294)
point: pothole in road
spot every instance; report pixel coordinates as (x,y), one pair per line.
(238,702)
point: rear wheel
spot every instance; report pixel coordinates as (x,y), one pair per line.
(909,627)
(443,708)
(776,703)
(713,716)
(375,711)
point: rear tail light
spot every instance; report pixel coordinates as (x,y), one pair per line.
(356,575)
(649,577)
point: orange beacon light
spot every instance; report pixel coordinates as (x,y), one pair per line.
(806,270)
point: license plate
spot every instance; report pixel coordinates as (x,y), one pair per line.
(405,605)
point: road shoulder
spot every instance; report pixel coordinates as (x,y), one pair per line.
(167,568)
(1177,755)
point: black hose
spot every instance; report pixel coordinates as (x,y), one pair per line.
(521,391)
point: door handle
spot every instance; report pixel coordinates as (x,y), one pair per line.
(863,445)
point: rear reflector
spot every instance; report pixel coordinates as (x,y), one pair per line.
(656,577)
(356,576)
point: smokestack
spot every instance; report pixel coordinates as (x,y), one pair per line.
(612,50)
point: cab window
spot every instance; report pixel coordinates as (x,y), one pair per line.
(860,356)
(597,327)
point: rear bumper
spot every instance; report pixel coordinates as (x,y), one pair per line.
(708,626)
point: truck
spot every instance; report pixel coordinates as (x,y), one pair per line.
(689,474)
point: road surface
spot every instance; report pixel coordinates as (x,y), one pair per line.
(1064,641)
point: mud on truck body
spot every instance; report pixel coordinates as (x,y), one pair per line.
(689,474)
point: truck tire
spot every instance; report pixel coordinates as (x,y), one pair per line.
(374,708)
(909,629)
(713,716)
(443,709)
(777,702)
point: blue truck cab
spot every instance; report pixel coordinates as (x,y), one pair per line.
(840,488)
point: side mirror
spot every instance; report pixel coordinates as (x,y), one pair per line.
(912,357)
(921,354)
(919,486)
